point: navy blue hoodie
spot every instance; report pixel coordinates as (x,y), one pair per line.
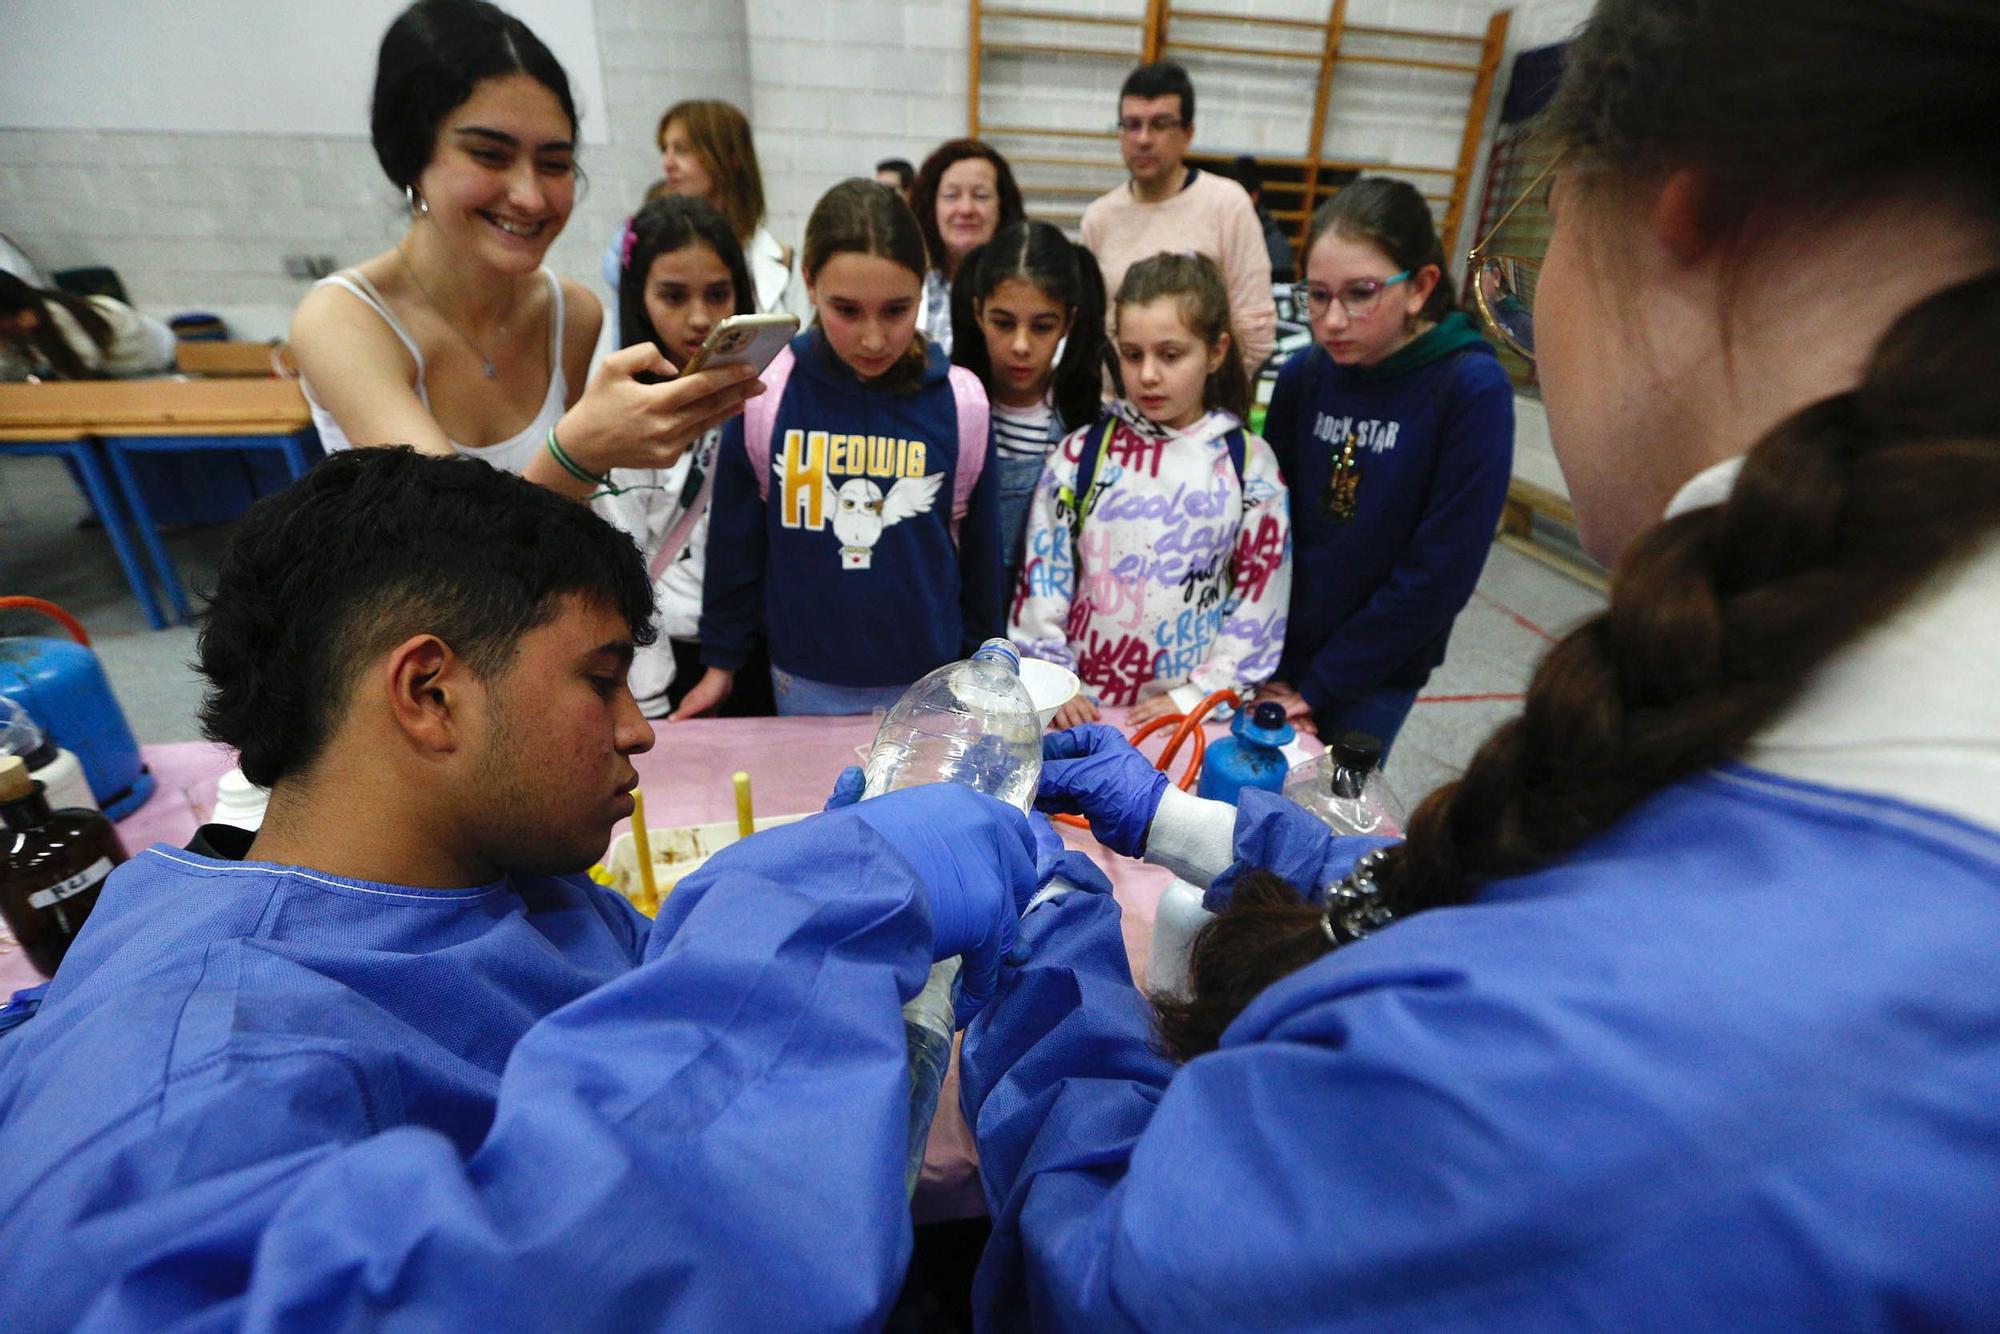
(1374,594)
(849,572)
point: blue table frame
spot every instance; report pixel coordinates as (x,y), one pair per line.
(298,448)
(87,458)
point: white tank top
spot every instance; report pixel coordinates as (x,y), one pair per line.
(510,455)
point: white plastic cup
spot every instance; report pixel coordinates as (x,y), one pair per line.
(64,784)
(239,802)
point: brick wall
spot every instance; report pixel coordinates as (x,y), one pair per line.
(836,87)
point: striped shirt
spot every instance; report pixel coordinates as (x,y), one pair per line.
(1025,432)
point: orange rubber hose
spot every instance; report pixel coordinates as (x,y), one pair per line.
(1186,726)
(53,612)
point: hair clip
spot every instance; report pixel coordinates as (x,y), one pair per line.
(625,251)
(1354,907)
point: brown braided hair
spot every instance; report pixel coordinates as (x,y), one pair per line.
(1718,617)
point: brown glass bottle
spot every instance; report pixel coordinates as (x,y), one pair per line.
(52,865)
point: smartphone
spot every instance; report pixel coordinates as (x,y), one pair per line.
(746,340)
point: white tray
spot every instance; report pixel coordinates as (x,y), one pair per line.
(691,844)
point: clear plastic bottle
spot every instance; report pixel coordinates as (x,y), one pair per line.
(1343,787)
(968,722)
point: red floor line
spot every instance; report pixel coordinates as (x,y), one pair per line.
(1517,617)
(1491,697)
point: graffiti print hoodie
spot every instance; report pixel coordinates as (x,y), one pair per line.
(1179,573)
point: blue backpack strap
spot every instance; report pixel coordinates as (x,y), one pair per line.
(22,1007)
(1082,499)
(1238,445)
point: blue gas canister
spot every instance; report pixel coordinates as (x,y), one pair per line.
(1249,756)
(63,687)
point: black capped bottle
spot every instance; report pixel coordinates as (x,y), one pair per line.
(1343,785)
(52,865)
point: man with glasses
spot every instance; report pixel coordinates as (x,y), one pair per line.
(1170,206)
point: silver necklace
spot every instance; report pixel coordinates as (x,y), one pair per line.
(486,362)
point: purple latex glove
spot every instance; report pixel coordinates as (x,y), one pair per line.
(1093,771)
(976,859)
(846,788)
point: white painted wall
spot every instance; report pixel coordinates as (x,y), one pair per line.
(233,66)
(838,85)
(202,220)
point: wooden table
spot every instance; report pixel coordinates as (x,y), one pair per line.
(158,416)
(217,357)
(154,407)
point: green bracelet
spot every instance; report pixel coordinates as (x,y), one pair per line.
(575,469)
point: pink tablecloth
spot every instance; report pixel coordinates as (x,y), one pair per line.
(686,778)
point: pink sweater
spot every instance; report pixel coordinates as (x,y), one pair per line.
(1212,217)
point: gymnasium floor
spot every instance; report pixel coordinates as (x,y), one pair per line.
(44,551)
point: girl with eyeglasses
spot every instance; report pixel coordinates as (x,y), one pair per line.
(1395,431)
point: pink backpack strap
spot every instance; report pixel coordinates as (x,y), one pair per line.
(760,416)
(975,441)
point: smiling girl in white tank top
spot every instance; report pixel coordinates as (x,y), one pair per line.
(509,455)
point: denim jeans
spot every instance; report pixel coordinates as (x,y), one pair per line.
(1379,715)
(797,695)
(1018,477)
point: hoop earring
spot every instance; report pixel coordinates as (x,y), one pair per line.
(419,206)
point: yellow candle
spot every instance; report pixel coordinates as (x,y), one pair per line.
(745,826)
(643,846)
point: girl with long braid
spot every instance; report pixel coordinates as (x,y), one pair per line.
(1678,1010)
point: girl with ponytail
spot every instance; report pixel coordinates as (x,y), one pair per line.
(1677,1010)
(1027,316)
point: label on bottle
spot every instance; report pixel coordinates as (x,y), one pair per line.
(70,888)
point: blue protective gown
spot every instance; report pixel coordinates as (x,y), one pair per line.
(1734,1064)
(265,1097)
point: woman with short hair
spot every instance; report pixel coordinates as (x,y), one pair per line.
(964,193)
(456,339)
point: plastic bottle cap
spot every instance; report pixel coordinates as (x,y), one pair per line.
(999,650)
(14,780)
(1355,750)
